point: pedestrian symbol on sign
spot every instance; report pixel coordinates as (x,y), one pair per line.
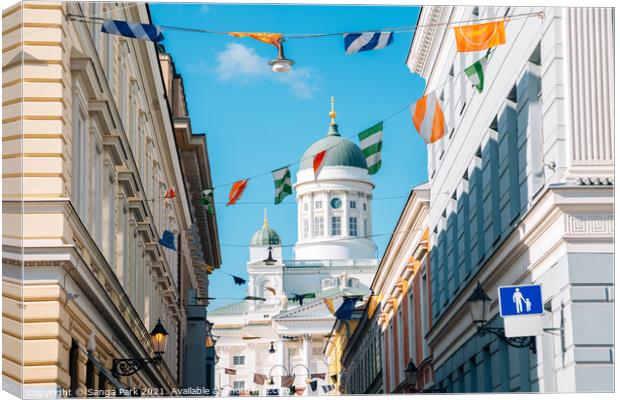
(520,300)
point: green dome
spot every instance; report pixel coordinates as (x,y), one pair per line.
(265,236)
(340,151)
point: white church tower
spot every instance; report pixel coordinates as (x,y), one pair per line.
(334,211)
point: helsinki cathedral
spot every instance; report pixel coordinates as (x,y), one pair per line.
(334,256)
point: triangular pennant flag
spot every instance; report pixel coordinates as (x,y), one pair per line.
(230,371)
(269,38)
(299,390)
(300,297)
(253,298)
(132,30)
(317,162)
(475,73)
(371,142)
(167,240)
(260,379)
(170,194)
(207,200)
(329,302)
(287,380)
(270,290)
(318,376)
(238,280)
(282,183)
(480,36)
(313,385)
(356,42)
(236,191)
(428,118)
(345,311)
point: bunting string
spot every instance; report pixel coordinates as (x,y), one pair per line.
(293,36)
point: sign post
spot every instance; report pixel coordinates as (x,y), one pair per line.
(521,307)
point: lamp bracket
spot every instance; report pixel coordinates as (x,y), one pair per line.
(517,342)
(129,366)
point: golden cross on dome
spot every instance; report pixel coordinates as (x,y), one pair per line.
(332,114)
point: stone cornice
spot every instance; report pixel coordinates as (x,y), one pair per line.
(425,38)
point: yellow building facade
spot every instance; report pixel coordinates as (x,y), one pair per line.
(336,343)
(88,153)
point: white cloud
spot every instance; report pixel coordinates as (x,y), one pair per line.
(241,64)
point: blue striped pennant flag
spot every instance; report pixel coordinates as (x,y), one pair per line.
(132,30)
(356,42)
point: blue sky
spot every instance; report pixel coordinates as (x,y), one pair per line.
(257,120)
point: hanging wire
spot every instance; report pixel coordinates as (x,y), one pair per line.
(293,36)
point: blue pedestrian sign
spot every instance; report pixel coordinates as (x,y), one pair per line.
(520,300)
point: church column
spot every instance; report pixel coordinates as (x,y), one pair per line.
(280,361)
(345,213)
(306,350)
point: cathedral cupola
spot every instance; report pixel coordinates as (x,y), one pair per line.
(334,208)
(264,241)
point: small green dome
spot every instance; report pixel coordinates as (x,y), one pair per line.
(265,236)
(340,151)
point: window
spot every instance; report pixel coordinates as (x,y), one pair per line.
(306,230)
(238,360)
(79,145)
(352,226)
(336,226)
(122,86)
(412,329)
(90,376)
(329,283)
(102,381)
(319,226)
(365,227)
(73,368)
(318,204)
(239,385)
(364,206)
(305,206)
(352,204)
(96,167)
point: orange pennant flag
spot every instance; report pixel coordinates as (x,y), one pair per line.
(170,193)
(269,38)
(236,191)
(428,118)
(480,36)
(318,161)
(329,302)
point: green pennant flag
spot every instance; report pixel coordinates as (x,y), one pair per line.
(207,201)
(475,73)
(371,142)
(282,183)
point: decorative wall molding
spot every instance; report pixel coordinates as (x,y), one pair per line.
(589,224)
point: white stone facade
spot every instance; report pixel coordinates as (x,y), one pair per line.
(522,192)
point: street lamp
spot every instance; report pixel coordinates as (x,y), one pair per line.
(129,366)
(281,63)
(271,349)
(411,374)
(479,304)
(308,375)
